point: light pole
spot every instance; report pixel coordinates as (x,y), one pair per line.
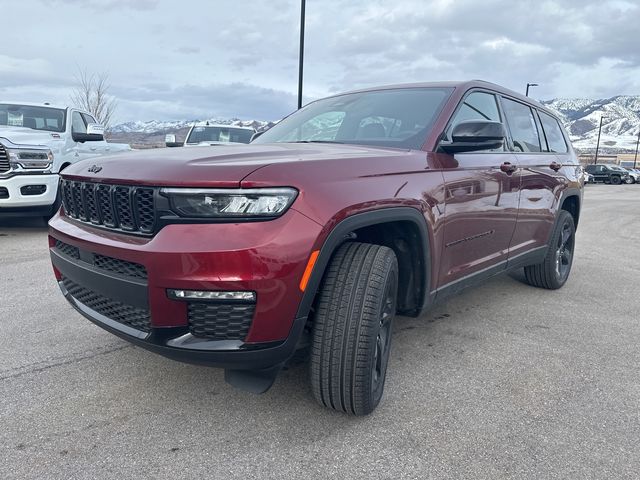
(530,85)
(598,143)
(635,159)
(301,60)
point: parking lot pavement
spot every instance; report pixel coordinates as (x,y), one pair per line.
(503,381)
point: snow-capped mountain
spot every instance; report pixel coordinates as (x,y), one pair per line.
(620,121)
(155,126)
(581,117)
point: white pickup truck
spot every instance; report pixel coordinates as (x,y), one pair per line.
(37,141)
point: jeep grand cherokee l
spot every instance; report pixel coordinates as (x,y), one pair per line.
(353,209)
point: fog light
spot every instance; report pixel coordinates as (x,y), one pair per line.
(211,295)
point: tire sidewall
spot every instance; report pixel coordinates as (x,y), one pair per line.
(563,218)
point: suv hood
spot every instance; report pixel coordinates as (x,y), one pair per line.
(21,136)
(223,166)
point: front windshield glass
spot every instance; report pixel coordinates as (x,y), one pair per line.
(399,118)
(219,134)
(38,118)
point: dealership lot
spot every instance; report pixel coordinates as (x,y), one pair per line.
(501,381)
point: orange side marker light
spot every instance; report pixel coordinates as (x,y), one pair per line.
(307,271)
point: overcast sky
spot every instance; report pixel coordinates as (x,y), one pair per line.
(216,58)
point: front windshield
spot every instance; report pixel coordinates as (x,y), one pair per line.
(399,118)
(38,118)
(219,134)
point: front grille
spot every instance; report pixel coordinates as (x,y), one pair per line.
(118,207)
(220,321)
(4,160)
(115,265)
(4,193)
(133,317)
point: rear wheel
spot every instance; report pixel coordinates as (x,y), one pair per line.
(554,271)
(352,328)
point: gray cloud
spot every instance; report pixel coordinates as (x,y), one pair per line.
(239,59)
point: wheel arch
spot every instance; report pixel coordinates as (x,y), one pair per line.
(369,227)
(571,201)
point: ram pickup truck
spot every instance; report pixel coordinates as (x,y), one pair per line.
(351,210)
(37,141)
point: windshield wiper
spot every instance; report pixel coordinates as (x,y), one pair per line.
(316,141)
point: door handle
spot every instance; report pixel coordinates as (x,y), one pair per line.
(508,168)
(555,166)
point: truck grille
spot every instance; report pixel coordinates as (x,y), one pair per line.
(133,317)
(117,207)
(4,159)
(220,321)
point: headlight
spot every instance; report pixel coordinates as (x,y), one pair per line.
(31,159)
(221,203)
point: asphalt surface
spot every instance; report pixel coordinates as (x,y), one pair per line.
(503,381)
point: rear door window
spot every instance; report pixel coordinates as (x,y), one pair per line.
(553,132)
(522,125)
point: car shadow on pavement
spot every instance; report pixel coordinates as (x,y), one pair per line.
(22,224)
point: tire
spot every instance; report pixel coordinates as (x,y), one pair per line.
(631,181)
(554,271)
(352,328)
(616,180)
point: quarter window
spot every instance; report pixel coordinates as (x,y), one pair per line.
(553,132)
(88,119)
(522,125)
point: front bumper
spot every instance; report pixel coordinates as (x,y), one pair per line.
(267,258)
(15,197)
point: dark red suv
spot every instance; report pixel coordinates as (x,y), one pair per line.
(352,209)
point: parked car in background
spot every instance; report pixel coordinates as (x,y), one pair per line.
(588,178)
(352,209)
(37,141)
(604,173)
(205,133)
(634,174)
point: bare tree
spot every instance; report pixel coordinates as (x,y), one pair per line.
(92,94)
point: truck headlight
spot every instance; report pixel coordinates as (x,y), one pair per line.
(230,203)
(31,159)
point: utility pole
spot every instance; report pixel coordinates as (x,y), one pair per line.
(530,85)
(598,144)
(301,60)
(635,159)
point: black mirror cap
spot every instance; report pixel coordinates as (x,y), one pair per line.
(475,135)
(87,137)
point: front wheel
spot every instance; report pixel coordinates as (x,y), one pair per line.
(616,180)
(352,328)
(554,271)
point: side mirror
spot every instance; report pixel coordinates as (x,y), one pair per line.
(95,133)
(170,141)
(475,135)
(256,135)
